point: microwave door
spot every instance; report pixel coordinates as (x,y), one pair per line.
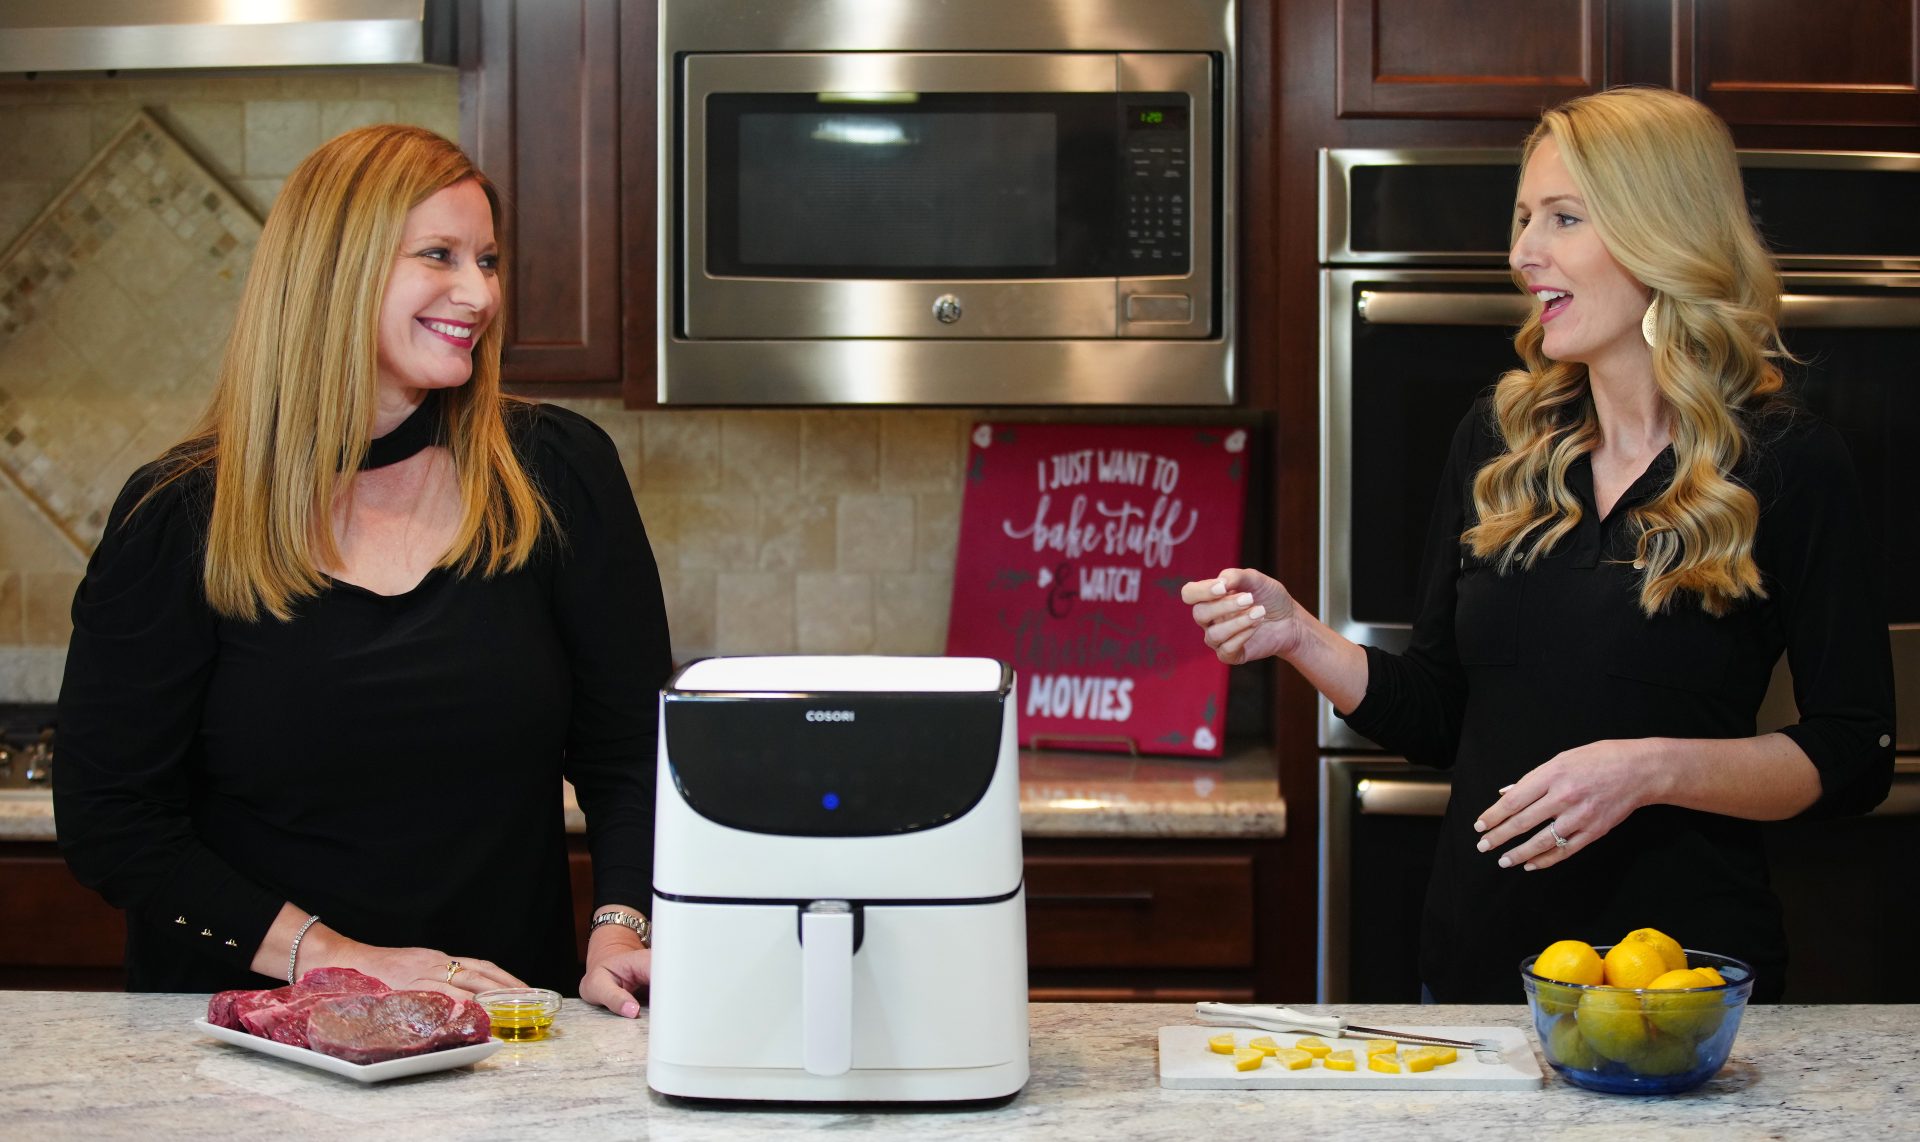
(903,195)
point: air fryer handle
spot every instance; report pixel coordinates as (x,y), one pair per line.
(826,986)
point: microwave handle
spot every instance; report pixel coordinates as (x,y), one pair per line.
(1797,310)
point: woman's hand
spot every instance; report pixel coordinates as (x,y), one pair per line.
(1581,793)
(407,969)
(1243,614)
(618,965)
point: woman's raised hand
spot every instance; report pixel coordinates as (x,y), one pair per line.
(1242,613)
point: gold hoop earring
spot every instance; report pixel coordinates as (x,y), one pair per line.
(1648,324)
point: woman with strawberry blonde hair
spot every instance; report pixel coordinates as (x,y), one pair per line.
(337,650)
(1629,533)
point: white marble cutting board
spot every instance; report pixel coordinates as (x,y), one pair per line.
(1187,1064)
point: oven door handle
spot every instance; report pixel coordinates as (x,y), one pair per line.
(1401,797)
(1405,307)
(1841,311)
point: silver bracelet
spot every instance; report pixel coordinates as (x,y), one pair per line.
(293,953)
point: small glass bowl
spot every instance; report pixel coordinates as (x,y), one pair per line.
(520,1014)
(1639,1040)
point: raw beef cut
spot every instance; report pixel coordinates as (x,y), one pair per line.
(257,1011)
(394,1025)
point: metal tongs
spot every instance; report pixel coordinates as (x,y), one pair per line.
(1287,1019)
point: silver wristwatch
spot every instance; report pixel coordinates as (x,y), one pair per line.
(640,925)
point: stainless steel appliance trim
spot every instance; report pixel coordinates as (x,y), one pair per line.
(953,372)
(978,25)
(743,308)
(1411,797)
(181,35)
(1336,200)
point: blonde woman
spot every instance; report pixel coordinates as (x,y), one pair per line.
(1628,535)
(337,650)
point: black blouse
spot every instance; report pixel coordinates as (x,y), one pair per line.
(390,763)
(1506,671)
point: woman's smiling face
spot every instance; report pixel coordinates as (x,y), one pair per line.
(443,290)
(1591,306)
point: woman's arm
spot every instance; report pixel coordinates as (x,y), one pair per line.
(608,608)
(1245,615)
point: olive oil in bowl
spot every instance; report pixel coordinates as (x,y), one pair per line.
(520,1014)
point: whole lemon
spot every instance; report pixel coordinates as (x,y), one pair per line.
(1691,1016)
(1570,961)
(1671,954)
(1613,1024)
(1633,963)
(1662,1055)
(1566,1044)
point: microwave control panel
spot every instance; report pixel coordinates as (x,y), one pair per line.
(1157,185)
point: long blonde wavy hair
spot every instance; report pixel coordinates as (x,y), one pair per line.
(292,413)
(1663,191)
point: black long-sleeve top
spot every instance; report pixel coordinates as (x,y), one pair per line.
(389,763)
(1506,671)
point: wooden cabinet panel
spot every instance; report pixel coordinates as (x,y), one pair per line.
(540,113)
(55,933)
(1841,62)
(1147,912)
(1482,59)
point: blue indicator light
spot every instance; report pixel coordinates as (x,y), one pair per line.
(830,801)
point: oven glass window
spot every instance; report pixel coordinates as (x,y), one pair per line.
(1411,386)
(945,186)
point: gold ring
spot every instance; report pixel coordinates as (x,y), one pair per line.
(453,969)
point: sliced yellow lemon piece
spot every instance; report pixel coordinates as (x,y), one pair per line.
(1313,1046)
(1293,1059)
(1386,1062)
(1418,1061)
(1264,1044)
(1247,1058)
(1221,1044)
(1339,1061)
(1377,1046)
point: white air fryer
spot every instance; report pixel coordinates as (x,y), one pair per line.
(838,912)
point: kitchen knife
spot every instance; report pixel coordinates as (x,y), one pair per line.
(1287,1019)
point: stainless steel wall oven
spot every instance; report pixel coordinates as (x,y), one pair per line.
(1004,201)
(1418,313)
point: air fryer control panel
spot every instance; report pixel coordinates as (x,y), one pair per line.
(833,764)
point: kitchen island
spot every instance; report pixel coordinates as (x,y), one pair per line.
(131,1066)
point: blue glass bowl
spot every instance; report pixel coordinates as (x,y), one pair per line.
(1627,1040)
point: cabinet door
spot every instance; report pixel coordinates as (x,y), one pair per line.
(1140,912)
(1836,63)
(1467,59)
(539,105)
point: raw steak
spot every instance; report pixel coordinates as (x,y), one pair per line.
(394,1025)
(255,1011)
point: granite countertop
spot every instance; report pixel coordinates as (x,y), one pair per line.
(131,1066)
(1061,795)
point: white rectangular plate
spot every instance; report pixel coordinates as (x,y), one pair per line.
(1187,1064)
(358,1072)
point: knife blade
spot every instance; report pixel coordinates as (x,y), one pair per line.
(1269,1018)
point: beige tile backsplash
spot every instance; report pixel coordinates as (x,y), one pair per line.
(825,531)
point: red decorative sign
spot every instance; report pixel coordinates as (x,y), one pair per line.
(1074,542)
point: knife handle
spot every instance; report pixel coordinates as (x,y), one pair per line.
(1272,1018)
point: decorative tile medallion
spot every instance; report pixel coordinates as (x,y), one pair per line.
(114,310)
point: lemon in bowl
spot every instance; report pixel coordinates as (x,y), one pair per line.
(1670,1033)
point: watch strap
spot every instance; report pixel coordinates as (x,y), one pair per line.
(639,924)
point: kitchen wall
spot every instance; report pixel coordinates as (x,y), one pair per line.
(777,531)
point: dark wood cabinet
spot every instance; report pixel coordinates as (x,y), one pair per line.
(56,934)
(1789,62)
(540,112)
(1475,59)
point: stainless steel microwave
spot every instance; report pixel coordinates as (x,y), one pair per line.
(1002,202)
